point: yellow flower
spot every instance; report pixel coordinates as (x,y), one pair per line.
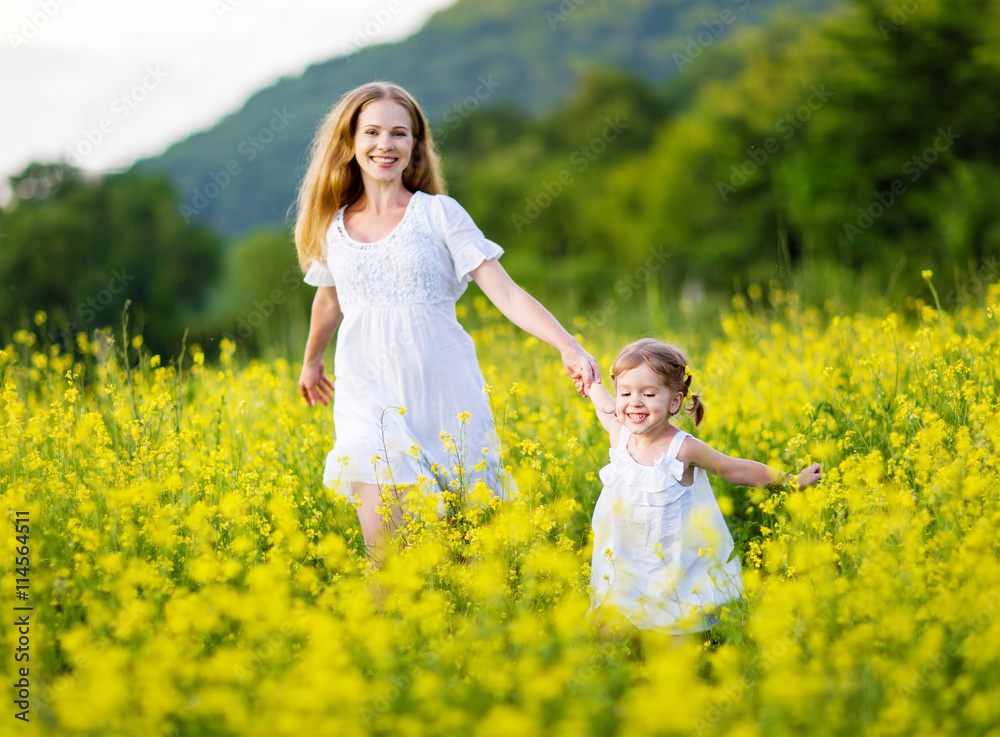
(927,274)
(188,508)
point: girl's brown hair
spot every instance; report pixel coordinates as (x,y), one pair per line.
(669,362)
(334,178)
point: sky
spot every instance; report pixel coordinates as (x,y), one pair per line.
(101,83)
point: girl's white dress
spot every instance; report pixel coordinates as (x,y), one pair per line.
(660,548)
(404,368)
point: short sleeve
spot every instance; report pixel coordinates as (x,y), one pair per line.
(466,244)
(318,275)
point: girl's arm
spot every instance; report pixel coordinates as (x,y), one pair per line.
(326,318)
(604,403)
(528,314)
(741,471)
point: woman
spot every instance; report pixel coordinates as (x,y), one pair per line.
(390,254)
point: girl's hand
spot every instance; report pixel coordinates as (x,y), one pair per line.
(314,384)
(810,475)
(581,367)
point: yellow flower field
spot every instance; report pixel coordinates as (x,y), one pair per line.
(189,575)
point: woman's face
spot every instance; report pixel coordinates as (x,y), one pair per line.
(383,141)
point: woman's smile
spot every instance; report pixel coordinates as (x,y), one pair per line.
(383,141)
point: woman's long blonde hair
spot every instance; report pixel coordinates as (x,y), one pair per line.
(334,178)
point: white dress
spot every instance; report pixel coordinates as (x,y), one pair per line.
(660,548)
(404,368)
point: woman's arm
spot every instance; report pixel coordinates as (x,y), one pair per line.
(528,314)
(740,470)
(326,318)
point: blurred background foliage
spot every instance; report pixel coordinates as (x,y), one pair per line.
(836,151)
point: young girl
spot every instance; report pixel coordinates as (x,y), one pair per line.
(661,546)
(390,254)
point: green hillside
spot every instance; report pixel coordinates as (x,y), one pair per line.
(838,154)
(242,173)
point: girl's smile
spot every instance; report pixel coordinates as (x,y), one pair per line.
(642,403)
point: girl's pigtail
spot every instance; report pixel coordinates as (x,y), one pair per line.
(696,409)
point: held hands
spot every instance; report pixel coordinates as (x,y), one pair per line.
(314,384)
(584,388)
(581,367)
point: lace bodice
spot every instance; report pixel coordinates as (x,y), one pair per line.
(424,260)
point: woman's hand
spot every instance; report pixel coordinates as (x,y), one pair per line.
(528,314)
(326,317)
(314,384)
(581,367)
(810,475)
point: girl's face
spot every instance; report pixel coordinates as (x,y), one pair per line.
(642,403)
(383,141)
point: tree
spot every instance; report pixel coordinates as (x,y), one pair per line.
(260,301)
(79,248)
